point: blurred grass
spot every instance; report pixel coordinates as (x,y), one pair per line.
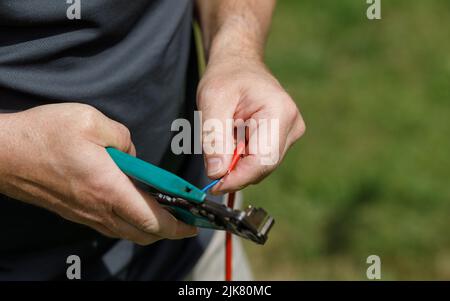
(372,173)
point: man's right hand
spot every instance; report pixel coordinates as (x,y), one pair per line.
(54,156)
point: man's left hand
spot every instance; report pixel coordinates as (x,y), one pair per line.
(243,88)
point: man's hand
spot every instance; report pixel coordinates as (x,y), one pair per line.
(237,85)
(54,156)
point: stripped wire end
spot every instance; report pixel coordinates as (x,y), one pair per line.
(238,152)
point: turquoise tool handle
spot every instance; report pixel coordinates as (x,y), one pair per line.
(163,181)
(156,177)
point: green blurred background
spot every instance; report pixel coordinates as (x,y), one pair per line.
(372,173)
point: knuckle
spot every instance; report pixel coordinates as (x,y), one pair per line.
(211,90)
(298,126)
(299,129)
(292,110)
(124,134)
(150,225)
(88,117)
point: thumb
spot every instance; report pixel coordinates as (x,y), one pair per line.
(217,137)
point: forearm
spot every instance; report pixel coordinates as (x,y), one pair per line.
(235,27)
(3,129)
(7,128)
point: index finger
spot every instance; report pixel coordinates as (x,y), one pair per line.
(248,170)
(265,152)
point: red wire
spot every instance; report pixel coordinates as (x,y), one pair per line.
(240,148)
(229,245)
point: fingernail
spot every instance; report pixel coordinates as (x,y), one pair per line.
(216,193)
(214,166)
(195,233)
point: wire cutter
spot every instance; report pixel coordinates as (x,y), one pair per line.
(190,204)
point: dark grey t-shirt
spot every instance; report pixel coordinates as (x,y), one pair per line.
(132,60)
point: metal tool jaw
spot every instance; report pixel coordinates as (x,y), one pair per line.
(189,204)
